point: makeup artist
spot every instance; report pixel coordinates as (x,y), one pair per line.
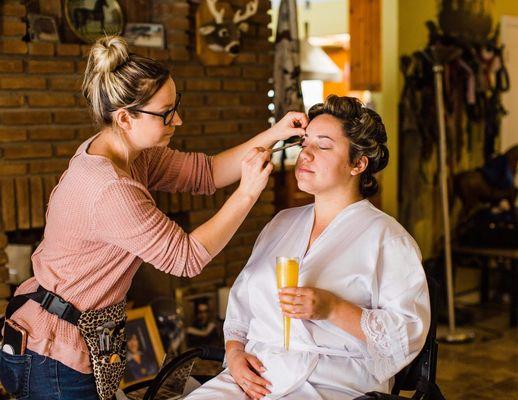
(102,223)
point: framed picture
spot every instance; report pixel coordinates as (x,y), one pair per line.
(42,28)
(146,35)
(200,315)
(90,19)
(145,351)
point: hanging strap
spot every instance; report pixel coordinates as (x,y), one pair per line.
(49,301)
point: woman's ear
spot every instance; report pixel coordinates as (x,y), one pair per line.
(360,165)
(123,119)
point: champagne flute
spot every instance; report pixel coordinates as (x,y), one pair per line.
(287,272)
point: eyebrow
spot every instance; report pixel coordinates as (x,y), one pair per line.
(325,137)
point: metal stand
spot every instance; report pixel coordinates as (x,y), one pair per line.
(453,336)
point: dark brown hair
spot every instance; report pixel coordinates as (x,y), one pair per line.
(366,133)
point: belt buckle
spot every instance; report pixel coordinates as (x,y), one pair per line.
(55,305)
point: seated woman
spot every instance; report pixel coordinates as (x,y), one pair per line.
(362,310)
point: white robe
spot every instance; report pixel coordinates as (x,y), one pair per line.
(365,257)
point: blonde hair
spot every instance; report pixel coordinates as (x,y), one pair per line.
(115,78)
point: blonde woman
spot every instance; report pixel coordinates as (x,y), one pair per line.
(102,222)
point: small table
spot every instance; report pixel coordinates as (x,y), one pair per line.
(505,259)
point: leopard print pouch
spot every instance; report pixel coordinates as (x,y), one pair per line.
(103,332)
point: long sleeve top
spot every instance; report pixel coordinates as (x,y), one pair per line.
(365,257)
(101,224)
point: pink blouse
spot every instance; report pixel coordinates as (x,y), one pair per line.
(101,225)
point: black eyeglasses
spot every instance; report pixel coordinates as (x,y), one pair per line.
(168,115)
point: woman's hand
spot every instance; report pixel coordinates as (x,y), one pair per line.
(245,368)
(255,170)
(292,124)
(307,303)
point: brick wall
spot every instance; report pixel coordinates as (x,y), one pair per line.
(43,117)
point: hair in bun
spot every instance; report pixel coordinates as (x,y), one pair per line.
(115,78)
(366,133)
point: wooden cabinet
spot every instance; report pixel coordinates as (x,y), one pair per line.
(365,31)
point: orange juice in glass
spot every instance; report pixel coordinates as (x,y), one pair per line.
(287,272)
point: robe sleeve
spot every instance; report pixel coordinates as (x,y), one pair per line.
(396,326)
(239,314)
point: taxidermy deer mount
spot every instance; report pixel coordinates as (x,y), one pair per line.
(218,39)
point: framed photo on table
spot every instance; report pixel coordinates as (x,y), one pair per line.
(145,351)
(200,315)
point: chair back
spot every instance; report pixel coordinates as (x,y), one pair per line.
(425,364)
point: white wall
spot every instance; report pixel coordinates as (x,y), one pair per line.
(325,17)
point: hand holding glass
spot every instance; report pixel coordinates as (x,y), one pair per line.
(287,271)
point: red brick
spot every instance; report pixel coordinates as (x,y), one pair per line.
(197,114)
(203,84)
(48,166)
(221,127)
(192,99)
(66,149)
(50,99)
(266,59)
(22,82)
(239,85)
(41,49)
(48,133)
(13,9)
(85,49)
(177,38)
(12,135)
(32,150)
(179,53)
(25,117)
(11,66)
(223,99)
(184,71)
(13,47)
(81,67)
(159,54)
(177,9)
(225,72)
(68,49)
(52,67)
(86,132)
(246,58)
(10,100)
(257,72)
(13,169)
(71,117)
(171,21)
(65,83)
(12,27)
(245,112)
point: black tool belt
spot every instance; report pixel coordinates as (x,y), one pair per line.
(102,330)
(49,301)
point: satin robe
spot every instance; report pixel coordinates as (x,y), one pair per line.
(365,257)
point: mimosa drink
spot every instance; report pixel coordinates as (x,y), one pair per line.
(287,271)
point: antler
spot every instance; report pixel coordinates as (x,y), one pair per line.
(218,15)
(251,9)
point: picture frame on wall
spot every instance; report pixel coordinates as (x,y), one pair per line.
(91,19)
(42,28)
(145,35)
(145,351)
